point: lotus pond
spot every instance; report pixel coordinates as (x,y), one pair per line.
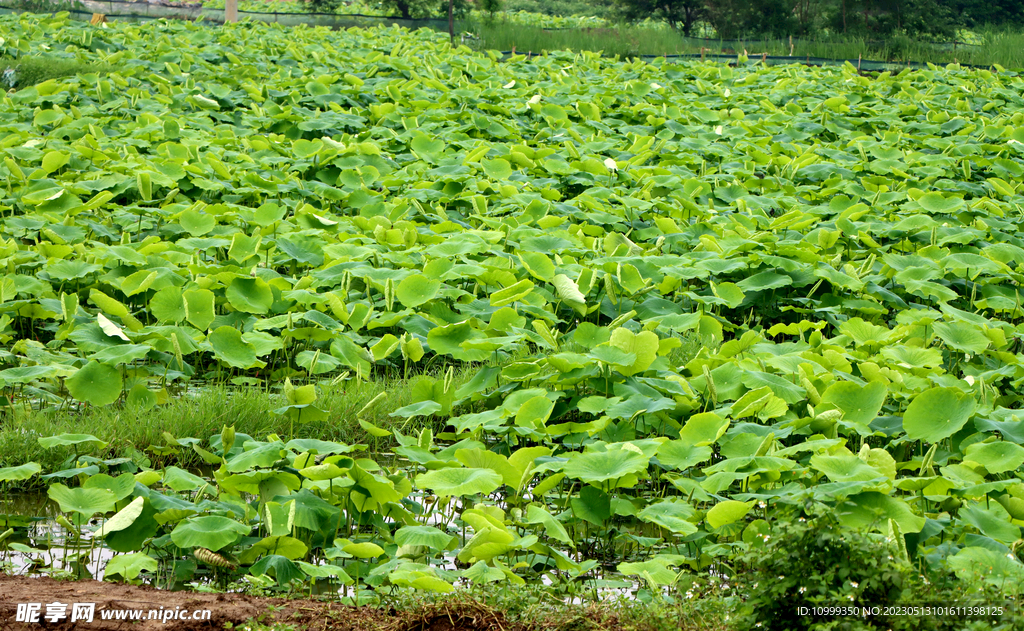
(700,303)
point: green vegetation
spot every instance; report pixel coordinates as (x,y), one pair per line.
(603,9)
(25,71)
(1002,47)
(389,315)
(562,27)
(131,429)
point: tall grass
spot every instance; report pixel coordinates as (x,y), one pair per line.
(31,70)
(1001,46)
(203,413)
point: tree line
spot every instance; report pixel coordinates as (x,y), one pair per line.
(733,19)
(802,18)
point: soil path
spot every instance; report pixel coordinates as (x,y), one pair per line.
(112,599)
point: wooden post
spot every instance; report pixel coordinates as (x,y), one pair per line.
(231,11)
(451,22)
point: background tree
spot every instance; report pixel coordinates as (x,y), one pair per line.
(681,15)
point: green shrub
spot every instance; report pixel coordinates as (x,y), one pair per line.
(28,71)
(808,563)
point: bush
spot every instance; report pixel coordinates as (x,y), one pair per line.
(816,563)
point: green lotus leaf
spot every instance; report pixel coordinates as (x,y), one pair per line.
(181,480)
(538,265)
(840,468)
(197,223)
(325,571)
(671,515)
(655,571)
(450,340)
(250,295)
(415,290)
(451,482)
(703,429)
(997,457)
(95,383)
(288,547)
(727,512)
(280,568)
(936,202)
(990,566)
(730,293)
(425,147)
(512,293)
(554,529)
(168,305)
(643,345)
(123,518)
(88,440)
(211,532)
(764,281)
(122,486)
(683,454)
(535,412)
(363,550)
(427,536)
(938,413)
(962,336)
(865,333)
(230,348)
(993,522)
(133,536)
(121,354)
(20,472)
(597,467)
(872,509)
(859,404)
(569,293)
(480,573)
(497,169)
(87,502)
(130,565)
(199,307)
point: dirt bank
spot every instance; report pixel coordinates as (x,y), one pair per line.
(113,600)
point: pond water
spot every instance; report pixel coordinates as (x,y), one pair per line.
(42,546)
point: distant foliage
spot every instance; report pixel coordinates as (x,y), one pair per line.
(491,6)
(731,19)
(680,14)
(595,8)
(322,6)
(406,9)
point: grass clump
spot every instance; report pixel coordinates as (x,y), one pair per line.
(130,429)
(23,72)
(536,607)
(1004,47)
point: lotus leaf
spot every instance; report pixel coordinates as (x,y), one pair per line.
(452,482)
(210,532)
